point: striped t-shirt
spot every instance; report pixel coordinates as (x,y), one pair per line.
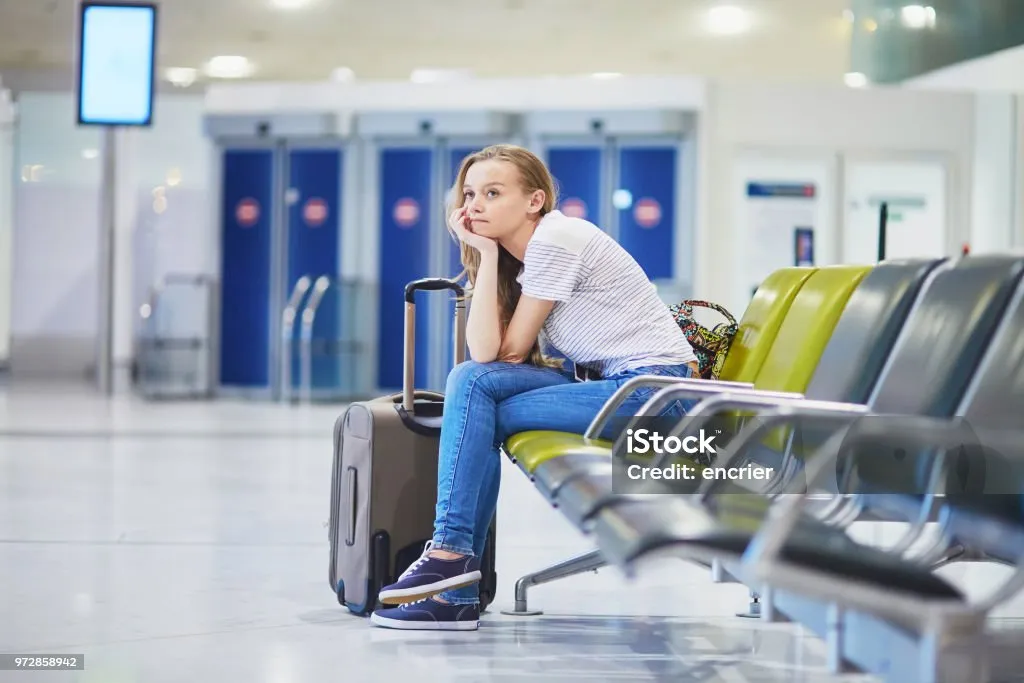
(607,314)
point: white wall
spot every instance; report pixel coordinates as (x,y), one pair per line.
(56,230)
(56,236)
(996,155)
(816,122)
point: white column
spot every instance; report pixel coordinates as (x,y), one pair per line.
(7,122)
(996,155)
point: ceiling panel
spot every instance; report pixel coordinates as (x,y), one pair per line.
(387,39)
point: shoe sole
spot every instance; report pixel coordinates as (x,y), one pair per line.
(403,625)
(403,595)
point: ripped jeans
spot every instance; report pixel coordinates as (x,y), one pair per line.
(487,402)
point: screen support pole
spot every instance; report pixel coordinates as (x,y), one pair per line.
(107,244)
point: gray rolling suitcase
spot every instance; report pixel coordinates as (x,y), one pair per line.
(384,482)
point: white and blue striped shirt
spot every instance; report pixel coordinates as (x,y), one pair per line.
(607,314)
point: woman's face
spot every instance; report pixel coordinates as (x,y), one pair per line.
(494,198)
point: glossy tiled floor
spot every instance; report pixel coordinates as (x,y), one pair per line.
(187,542)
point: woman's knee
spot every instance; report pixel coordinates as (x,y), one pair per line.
(462,374)
(467,374)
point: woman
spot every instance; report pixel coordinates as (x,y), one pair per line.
(533,272)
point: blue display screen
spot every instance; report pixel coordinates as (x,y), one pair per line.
(116,64)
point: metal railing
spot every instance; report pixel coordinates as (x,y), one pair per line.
(288,316)
(332,340)
(174,350)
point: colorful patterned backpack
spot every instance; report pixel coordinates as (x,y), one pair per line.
(710,345)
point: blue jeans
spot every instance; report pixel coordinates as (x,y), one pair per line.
(487,402)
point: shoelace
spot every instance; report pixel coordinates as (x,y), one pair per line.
(415,565)
(414,602)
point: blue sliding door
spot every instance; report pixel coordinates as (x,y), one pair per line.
(247,217)
(579,173)
(313,236)
(646,229)
(405,201)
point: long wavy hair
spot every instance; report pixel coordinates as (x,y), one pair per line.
(533,175)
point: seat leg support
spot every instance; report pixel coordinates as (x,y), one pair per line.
(754,609)
(590,561)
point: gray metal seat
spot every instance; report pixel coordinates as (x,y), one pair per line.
(985,389)
(961,352)
(941,346)
(925,636)
(983,511)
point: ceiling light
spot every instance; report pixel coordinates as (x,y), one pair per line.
(228,67)
(181,76)
(855,79)
(289,4)
(917,16)
(727,20)
(343,74)
(606,75)
(848,16)
(439,75)
(90,153)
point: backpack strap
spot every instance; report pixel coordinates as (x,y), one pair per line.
(709,344)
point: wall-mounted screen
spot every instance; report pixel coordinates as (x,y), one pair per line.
(116,63)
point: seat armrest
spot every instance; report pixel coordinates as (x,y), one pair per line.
(659,401)
(673,393)
(610,406)
(776,410)
(762,557)
(928,432)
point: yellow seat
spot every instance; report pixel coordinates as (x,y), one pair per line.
(793,357)
(530,449)
(761,321)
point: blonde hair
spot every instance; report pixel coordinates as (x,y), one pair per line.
(533,175)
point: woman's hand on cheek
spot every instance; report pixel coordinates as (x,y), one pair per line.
(459,222)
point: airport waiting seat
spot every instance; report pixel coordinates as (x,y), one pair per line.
(783,368)
(811,313)
(755,334)
(959,353)
(993,403)
(980,497)
(865,304)
(943,341)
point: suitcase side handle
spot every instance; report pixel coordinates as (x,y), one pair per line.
(350,531)
(409,351)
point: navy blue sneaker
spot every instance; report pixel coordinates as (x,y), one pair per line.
(429,576)
(429,615)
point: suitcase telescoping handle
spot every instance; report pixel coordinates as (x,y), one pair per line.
(459,336)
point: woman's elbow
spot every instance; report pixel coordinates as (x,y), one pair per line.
(491,355)
(478,357)
(482,354)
